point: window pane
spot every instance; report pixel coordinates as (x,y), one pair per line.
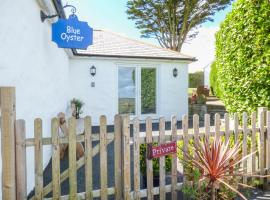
(126,90)
(148,90)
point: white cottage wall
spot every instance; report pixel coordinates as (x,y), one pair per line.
(103,98)
(173,90)
(35,66)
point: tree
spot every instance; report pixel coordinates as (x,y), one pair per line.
(243,56)
(171,21)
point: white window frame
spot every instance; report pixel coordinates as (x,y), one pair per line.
(138,68)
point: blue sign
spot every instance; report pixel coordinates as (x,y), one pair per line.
(72,33)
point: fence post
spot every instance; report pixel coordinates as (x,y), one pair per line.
(126,157)
(149,163)
(103,158)
(268,146)
(21,182)
(118,156)
(8,116)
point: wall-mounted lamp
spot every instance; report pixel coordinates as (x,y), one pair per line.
(175,72)
(93,70)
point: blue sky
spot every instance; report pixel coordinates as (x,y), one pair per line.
(111,15)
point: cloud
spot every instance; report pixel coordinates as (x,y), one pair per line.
(202,47)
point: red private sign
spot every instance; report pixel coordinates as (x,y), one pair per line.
(162,150)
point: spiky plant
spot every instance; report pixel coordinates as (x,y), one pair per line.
(219,164)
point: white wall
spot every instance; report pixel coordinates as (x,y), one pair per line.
(103,98)
(173,91)
(35,66)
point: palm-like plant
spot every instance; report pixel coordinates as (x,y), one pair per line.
(218,163)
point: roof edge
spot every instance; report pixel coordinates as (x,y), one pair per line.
(137,57)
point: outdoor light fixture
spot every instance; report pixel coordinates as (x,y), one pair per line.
(93,70)
(175,72)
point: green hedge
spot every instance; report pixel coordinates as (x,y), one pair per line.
(214,85)
(196,79)
(243,56)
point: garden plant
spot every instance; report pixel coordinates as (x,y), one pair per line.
(216,170)
(78,104)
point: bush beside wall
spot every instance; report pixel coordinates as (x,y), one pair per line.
(243,56)
(196,79)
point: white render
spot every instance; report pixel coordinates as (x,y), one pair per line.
(172,98)
(35,66)
(46,77)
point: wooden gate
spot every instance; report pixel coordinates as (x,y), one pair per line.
(126,153)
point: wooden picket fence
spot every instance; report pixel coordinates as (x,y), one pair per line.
(14,145)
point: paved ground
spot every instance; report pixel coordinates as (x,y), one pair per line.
(258,194)
(266,195)
(96,174)
(212,100)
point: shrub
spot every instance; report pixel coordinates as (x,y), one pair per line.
(201,90)
(243,56)
(196,79)
(201,99)
(214,85)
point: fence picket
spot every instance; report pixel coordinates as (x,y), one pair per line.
(136,157)
(55,160)
(38,159)
(253,142)
(217,125)
(196,128)
(21,171)
(174,159)
(103,158)
(117,157)
(227,127)
(88,158)
(261,144)
(126,156)
(149,163)
(244,153)
(72,158)
(162,194)
(236,131)
(207,125)
(185,140)
(236,127)
(268,145)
